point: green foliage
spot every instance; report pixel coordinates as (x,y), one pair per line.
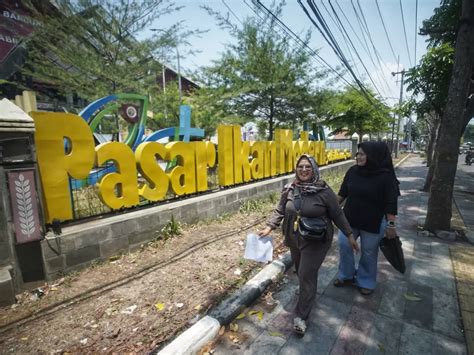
(172,228)
(261,78)
(334,179)
(90,47)
(249,206)
(469,133)
(441,28)
(430,79)
(165,106)
(351,110)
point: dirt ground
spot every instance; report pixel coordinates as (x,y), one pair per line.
(135,302)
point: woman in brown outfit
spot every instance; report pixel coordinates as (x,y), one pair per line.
(307,196)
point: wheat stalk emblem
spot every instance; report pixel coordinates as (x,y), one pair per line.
(25,207)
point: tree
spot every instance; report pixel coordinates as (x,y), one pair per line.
(429,82)
(90,47)
(263,77)
(452,124)
(354,112)
(469,133)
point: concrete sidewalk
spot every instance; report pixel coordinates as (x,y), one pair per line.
(414,313)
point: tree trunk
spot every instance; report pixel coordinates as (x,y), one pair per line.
(446,155)
(430,154)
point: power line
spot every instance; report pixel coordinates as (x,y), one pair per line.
(343,37)
(350,40)
(365,29)
(335,47)
(296,38)
(385,29)
(376,52)
(405,31)
(232,12)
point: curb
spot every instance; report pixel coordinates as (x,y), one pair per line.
(206,329)
(193,339)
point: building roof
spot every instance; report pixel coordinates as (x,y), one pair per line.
(14,119)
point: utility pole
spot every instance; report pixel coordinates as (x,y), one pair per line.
(399,112)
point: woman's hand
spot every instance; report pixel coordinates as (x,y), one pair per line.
(390,232)
(264,232)
(353,243)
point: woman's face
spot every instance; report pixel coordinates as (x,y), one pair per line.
(361,157)
(304,170)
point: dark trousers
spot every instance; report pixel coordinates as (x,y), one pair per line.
(308,257)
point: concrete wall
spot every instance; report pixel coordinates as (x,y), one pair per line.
(78,246)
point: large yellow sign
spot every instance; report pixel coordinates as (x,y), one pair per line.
(65,148)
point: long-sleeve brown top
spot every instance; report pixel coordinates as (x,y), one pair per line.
(320,204)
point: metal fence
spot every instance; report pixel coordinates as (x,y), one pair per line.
(339,144)
(86,202)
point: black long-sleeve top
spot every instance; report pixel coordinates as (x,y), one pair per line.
(369,197)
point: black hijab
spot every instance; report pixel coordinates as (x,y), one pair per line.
(379,159)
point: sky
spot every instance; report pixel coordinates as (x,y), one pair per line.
(210,45)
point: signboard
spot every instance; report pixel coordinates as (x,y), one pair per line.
(22,189)
(14,25)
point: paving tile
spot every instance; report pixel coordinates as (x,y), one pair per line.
(469,334)
(354,338)
(447,346)
(415,341)
(384,336)
(446,315)
(466,302)
(326,321)
(393,300)
(468,320)
(419,313)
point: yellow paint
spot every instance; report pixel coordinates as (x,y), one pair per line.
(241,152)
(225,154)
(238,162)
(205,155)
(284,152)
(257,166)
(270,160)
(55,164)
(147,156)
(182,176)
(118,189)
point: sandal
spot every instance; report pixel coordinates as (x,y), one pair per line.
(365,291)
(342,283)
(299,326)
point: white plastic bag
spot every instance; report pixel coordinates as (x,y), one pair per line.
(259,249)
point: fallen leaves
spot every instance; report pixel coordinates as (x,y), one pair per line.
(159,306)
(412,298)
(240,316)
(259,314)
(276,334)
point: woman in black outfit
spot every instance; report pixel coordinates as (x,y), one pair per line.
(370,191)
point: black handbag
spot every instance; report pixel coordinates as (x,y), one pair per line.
(312,229)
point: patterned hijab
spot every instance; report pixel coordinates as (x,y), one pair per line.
(315,184)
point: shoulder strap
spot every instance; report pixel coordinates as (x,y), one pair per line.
(297,199)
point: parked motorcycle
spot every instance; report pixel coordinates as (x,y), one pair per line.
(468,159)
